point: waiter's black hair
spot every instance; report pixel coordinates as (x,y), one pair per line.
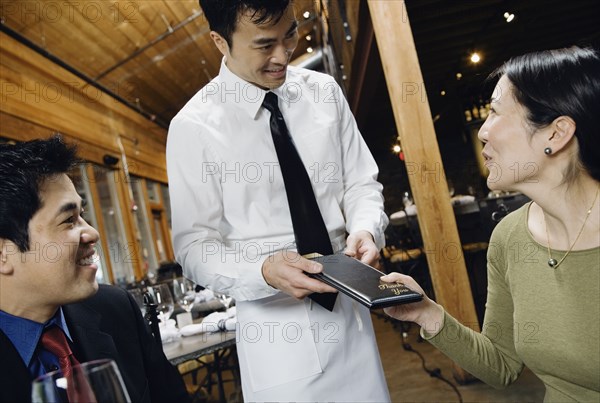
(223,15)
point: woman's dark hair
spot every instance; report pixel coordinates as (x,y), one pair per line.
(561,82)
(223,15)
(23,168)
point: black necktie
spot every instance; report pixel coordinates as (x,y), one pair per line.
(310,231)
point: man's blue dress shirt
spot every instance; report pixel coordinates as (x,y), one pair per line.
(25,335)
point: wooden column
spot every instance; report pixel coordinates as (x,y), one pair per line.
(423,162)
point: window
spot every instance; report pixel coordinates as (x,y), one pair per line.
(82,182)
(144,232)
(153,191)
(166,203)
(122,254)
(160,236)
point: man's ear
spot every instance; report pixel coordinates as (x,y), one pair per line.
(563,130)
(220,43)
(5,246)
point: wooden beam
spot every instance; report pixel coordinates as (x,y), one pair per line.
(39,97)
(362,57)
(427,178)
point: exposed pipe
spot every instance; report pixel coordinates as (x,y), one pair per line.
(153,42)
(311,62)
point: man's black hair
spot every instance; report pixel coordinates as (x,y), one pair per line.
(23,169)
(223,15)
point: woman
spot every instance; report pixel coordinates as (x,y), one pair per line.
(543,306)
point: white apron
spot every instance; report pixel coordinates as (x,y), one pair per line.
(292,350)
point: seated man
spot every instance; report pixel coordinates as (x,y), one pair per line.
(48,282)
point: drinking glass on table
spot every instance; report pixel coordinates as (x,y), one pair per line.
(163,300)
(225,299)
(184,292)
(95,381)
(407,199)
(138,296)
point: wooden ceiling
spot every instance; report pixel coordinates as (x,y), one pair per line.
(155,54)
(152,54)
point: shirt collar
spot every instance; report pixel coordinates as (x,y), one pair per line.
(248,96)
(25,334)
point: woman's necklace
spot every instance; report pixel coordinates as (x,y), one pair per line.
(551,261)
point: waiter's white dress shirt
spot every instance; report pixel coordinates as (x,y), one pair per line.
(230,212)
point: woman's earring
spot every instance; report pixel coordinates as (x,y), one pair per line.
(547,151)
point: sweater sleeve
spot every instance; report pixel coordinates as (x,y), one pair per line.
(489,355)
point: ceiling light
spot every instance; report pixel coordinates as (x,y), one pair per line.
(475,58)
(442,93)
(308,37)
(458,76)
(509,16)
(306,14)
(396,148)
(309,49)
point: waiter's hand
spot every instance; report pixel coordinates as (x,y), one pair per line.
(360,245)
(286,271)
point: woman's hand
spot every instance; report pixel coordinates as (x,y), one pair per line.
(425,313)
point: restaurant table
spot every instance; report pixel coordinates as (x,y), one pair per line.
(220,344)
(475,218)
(475,221)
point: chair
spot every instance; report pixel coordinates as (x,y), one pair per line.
(207,371)
(493,210)
(404,253)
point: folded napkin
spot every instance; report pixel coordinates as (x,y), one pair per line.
(397,215)
(462,199)
(411,210)
(168,331)
(204,295)
(215,322)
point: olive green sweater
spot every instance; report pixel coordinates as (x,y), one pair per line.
(547,319)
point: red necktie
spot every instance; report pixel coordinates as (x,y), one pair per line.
(78,389)
(54,340)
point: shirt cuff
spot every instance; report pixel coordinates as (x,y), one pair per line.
(256,286)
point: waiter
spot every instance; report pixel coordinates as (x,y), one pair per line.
(266,164)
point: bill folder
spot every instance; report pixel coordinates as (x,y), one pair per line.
(361,282)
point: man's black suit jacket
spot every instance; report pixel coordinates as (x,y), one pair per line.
(107,325)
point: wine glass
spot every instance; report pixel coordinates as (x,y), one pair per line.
(184,293)
(407,200)
(450,188)
(138,296)
(225,299)
(163,300)
(95,381)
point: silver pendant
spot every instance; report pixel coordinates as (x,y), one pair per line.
(552,262)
